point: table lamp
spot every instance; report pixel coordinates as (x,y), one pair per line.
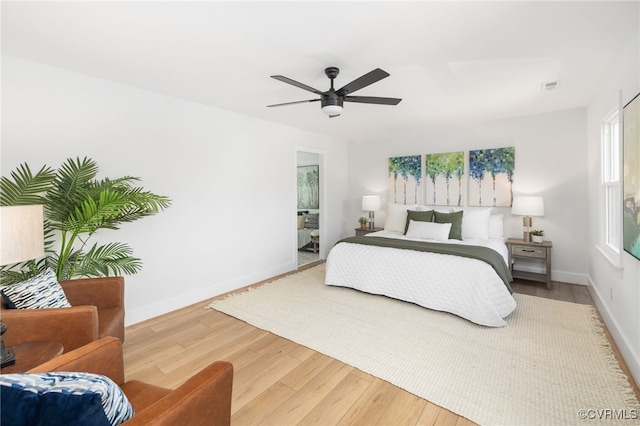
(527,207)
(371,203)
(21,239)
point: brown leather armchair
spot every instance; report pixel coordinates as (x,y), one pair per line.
(204,399)
(97,311)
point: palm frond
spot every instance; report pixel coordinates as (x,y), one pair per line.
(49,237)
(12,274)
(109,259)
(25,188)
(70,187)
(93,214)
(142,204)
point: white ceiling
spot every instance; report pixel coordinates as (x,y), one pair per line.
(450,61)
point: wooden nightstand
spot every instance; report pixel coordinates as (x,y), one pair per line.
(360,232)
(520,249)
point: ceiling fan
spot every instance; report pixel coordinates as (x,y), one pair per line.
(331,100)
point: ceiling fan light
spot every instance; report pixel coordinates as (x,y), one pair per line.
(332,110)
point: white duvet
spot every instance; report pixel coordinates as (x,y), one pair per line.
(469,288)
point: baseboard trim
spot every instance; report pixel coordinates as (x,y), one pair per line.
(622,343)
(179,301)
(560,276)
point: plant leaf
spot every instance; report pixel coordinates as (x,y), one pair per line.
(109,259)
(25,188)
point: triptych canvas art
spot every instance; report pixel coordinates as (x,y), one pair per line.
(442,178)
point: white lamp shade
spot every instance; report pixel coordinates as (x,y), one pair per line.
(371,203)
(528,206)
(21,233)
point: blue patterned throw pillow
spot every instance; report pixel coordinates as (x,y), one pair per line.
(41,291)
(60,398)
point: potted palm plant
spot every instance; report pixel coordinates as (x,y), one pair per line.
(76,206)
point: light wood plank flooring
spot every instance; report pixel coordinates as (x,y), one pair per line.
(278,382)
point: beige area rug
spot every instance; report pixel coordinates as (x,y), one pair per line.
(548,364)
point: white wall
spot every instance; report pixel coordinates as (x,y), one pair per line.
(232,178)
(616,292)
(550,161)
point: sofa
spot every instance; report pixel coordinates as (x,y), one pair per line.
(97,310)
(204,399)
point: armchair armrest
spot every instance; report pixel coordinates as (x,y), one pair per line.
(103,356)
(72,327)
(103,292)
(204,399)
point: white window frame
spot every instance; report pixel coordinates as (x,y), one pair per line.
(610,243)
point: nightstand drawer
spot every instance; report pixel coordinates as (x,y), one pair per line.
(529,251)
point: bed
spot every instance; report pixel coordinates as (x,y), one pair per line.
(466,276)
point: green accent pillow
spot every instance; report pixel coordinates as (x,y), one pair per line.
(455,219)
(418,216)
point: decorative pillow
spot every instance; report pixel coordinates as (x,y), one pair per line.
(496,226)
(423,208)
(429,230)
(455,219)
(475,223)
(301,220)
(312,221)
(60,398)
(396,220)
(418,216)
(39,292)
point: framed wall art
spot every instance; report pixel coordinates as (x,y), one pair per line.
(444,178)
(308,187)
(631,179)
(405,179)
(491,177)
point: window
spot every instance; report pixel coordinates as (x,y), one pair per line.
(611,239)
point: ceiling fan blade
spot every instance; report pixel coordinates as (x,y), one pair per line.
(297,84)
(363,81)
(292,103)
(372,100)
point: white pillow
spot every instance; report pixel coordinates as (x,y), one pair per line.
(475,223)
(397,216)
(429,230)
(496,226)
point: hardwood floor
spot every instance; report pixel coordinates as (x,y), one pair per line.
(278,382)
